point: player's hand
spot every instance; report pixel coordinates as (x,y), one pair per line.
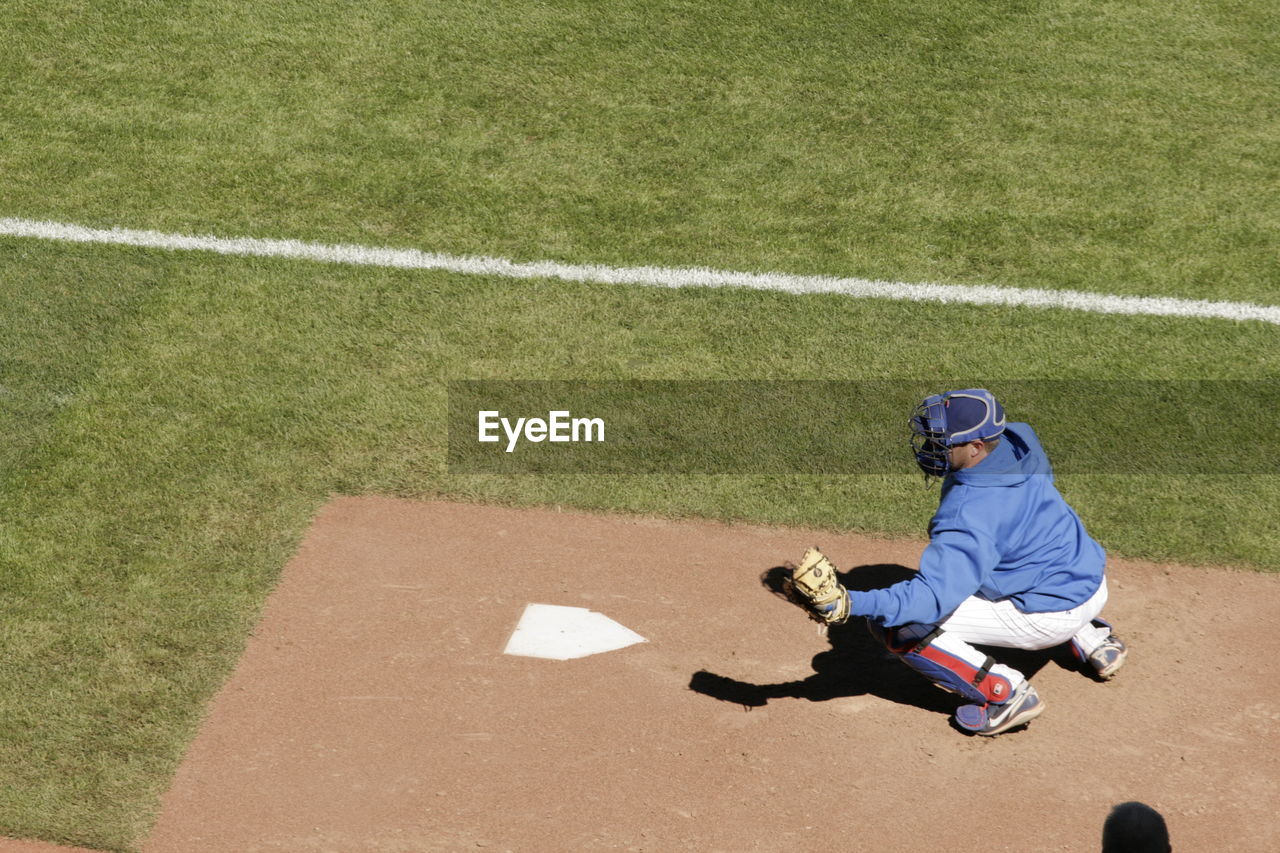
(815,586)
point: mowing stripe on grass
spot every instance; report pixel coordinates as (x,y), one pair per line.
(1098,303)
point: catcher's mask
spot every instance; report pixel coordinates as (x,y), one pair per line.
(944,421)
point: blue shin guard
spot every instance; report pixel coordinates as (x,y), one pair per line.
(949,662)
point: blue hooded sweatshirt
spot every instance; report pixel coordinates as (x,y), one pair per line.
(1002,531)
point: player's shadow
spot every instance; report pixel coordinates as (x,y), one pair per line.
(857,663)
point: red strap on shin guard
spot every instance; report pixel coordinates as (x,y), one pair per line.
(994,688)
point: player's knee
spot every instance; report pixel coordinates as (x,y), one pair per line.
(904,638)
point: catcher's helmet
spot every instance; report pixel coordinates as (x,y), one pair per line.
(945,420)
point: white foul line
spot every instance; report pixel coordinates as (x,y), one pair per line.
(954,294)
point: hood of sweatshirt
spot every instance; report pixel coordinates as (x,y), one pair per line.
(1017,457)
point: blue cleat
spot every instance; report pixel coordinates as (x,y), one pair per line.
(990,719)
(1108,657)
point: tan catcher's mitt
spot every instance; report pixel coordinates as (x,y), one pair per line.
(815,587)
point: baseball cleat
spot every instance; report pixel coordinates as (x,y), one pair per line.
(1023,707)
(1108,657)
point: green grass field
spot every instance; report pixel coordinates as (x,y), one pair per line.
(173,420)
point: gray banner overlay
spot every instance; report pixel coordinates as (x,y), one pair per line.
(1209,427)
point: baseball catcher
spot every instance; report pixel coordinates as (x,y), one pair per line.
(1008,564)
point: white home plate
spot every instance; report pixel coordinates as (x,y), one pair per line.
(561,633)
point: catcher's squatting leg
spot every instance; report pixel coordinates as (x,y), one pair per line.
(950,662)
(1000,623)
(943,654)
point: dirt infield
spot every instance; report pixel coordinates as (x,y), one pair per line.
(374,708)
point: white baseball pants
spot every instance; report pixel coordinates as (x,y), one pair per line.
(1000,623)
